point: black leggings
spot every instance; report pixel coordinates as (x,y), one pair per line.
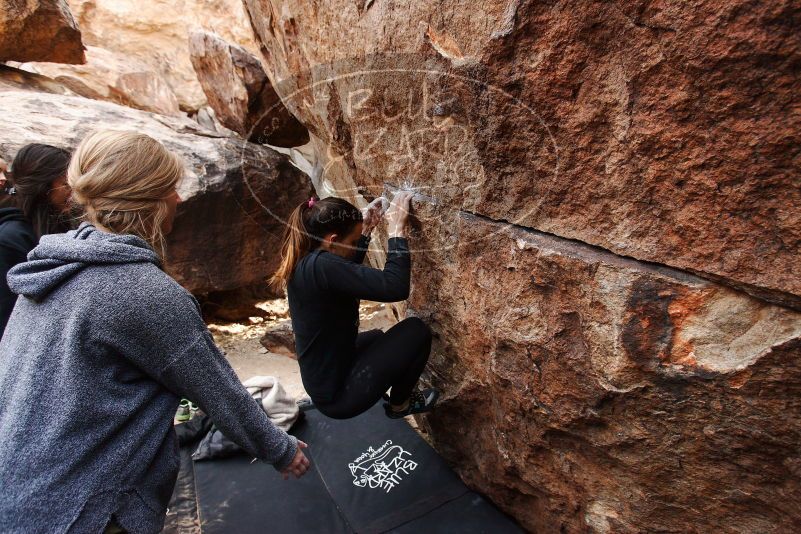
(392,359)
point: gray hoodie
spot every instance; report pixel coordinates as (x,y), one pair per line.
(92,365)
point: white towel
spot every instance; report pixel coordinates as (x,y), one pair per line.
(279,406)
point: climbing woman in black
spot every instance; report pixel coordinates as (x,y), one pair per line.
(346,372)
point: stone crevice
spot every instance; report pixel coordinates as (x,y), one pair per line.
(589,251)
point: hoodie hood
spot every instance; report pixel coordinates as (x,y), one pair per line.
(59,257)
(11,214)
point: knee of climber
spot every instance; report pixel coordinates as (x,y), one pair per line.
(420,329)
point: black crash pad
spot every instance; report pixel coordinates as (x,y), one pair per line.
(369,474)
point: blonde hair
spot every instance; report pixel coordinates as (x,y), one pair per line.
(122,180)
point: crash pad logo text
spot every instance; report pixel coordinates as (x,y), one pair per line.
(382,468)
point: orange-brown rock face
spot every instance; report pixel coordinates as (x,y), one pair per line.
(608,200)
(155,33)
(39,30)
(665,133)
(589,392)
(241,95)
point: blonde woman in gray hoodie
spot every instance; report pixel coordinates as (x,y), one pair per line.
(98,351)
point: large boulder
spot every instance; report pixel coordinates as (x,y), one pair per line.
(156,33)
(607,239)
(39,30)
(241,95)
(110,76)
(236,195)
(657,133)
(585,391)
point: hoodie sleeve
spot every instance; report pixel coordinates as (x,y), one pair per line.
(166,337)
(201,373)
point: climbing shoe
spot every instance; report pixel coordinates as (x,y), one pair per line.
(184,412)
(420,402)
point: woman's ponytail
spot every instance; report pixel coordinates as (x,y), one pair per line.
(122,181)
(306,228)
(296,245)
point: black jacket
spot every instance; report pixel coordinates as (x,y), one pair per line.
(324,295)
(16,240)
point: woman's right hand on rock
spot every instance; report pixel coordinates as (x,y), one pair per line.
(299,465)
(398,213)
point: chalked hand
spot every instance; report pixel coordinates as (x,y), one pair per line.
(373,214)
(398,214)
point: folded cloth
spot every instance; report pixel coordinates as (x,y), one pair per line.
(279,406)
